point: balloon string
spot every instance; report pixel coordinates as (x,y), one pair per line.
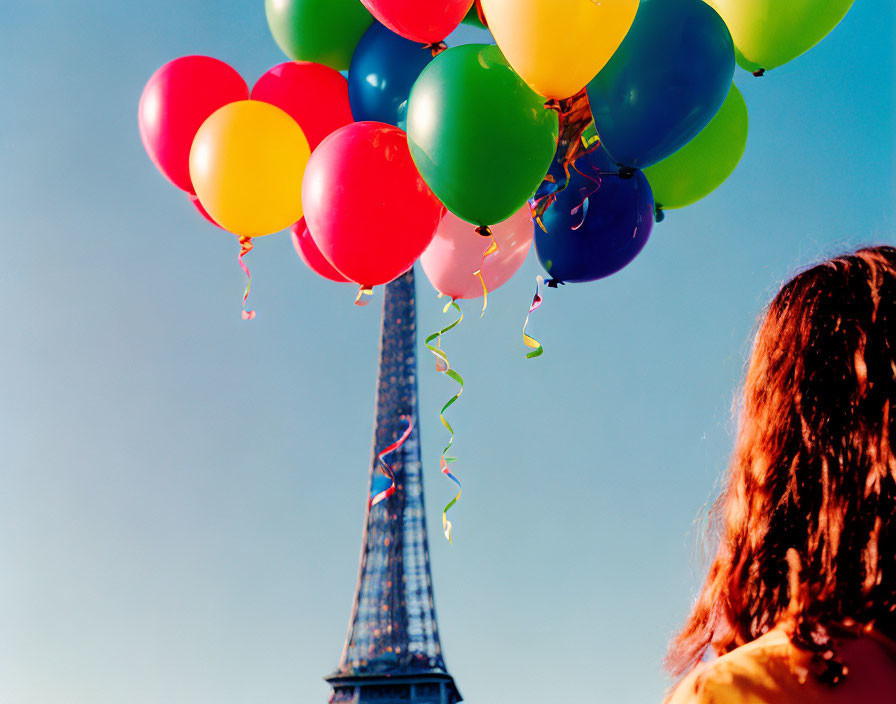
(363,297)
(446,524)
(386,468)
(444,367)
(528,340)
(490,250)
(589,144)
(246,246)
(585,194)
(539,205)
(574,118)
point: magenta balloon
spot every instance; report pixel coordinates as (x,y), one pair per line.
(176,101)
(194,199)
(455,253)
(369,211)
(310,254)
(424,21)
(316,96)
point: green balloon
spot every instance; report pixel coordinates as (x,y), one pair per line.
(746,64)
(472,18)
(480,137)
(703,164)
(323,31)
(769,33)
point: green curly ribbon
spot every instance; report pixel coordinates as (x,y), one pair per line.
(444,367)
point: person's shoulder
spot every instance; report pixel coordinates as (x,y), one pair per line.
(738,677)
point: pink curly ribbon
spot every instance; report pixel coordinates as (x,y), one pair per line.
(386,468)
(528,340)
(246,246)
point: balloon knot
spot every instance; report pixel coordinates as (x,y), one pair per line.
(554,283)
(364,294)
(436,48)
(659,213)
(484,231)
(759,72)
(626,172)
(553,104)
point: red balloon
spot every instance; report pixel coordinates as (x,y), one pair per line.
(424,21)
(316,97)
(194,199)
(368,209)
(310,254)
(175,102)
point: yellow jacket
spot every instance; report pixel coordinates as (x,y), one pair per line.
(771,670)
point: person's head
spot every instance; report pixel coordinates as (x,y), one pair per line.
(807,521)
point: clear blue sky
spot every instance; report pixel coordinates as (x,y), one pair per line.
(182,493)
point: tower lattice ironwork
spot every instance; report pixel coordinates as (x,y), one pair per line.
(392,652)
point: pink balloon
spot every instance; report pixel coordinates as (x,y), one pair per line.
(424,21)
(316,97)
(176,101)
(368,209)
(310,254)
(456,253)
(194,199)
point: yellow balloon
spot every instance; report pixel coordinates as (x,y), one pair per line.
(558,46)
(247,163)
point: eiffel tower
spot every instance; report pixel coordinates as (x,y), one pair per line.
(392,652)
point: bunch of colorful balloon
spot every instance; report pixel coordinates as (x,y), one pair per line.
(589,117)
(658,83)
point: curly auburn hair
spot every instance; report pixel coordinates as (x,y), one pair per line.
(807,523)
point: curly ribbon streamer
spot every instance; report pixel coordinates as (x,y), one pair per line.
(589,144)
(585,194)
(575,118)
(386,468)
(528,340)
(443,366)
(363,297)
(539,205)
(492,249)
(446,524)
(246,246)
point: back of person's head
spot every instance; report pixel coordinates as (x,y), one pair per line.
(807,522)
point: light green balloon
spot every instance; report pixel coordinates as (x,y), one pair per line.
(703,164)
(769,33)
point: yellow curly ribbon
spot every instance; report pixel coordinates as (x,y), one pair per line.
(590,143)
(363,297)
(443,366)
(490,250)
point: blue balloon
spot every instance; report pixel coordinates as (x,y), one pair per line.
(665,82)
(597,224)
(383,69)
